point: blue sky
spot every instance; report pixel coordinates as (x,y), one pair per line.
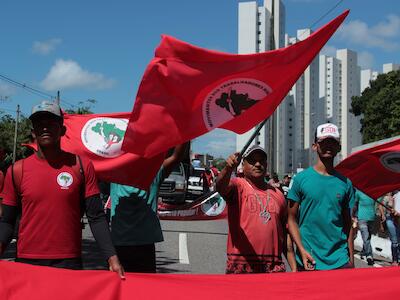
(99,49)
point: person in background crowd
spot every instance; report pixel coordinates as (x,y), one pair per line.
(364,214)
(391,218)
(207,178)
(135,227)
(319,214)
(257,217)
(285,185)
(51,190)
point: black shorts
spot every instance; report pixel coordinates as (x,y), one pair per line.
(62,263)
(137,259)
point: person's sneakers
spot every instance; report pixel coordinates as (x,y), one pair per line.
(370,260)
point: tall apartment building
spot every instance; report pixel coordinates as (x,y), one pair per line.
(255,35)
(340,80)
(308,111)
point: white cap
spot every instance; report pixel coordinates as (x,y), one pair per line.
(327,130)
(252,149)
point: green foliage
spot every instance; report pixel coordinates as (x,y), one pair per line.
(379,106)
(108,131)
(219,163)
(7,129)
(84,107)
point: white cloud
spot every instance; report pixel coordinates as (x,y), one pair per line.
(219,142)
(6,89)
(45,47)
(66,74)
(365,60)
(384,35)
(329,51)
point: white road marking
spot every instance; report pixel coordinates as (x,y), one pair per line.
(374,265)
(183,251)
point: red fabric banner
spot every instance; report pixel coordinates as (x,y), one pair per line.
(99,138)
(376,170)
(21,282)
(205,209)
(187,91)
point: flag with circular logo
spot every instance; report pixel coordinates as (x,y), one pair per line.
(99,137)
(375,170)
(187,91)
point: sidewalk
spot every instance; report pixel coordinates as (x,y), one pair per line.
(380,246)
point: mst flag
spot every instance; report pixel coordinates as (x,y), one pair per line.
(376,170)
(187,91)
(99,138)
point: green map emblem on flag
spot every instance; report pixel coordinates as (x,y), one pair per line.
(104,136)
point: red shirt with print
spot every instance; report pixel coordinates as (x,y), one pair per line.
(50,223)
(255,246)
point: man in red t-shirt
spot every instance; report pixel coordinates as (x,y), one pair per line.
(50,189)
(257,217)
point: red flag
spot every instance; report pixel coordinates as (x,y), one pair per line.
(187,91)
(99,138)
(22,281)
(376,170)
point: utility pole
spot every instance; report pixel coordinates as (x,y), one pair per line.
(16,134)
(58,98)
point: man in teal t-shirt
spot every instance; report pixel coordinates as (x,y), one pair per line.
(135,227)
(319,215)
(364,211)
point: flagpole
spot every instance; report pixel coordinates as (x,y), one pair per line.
(252,137)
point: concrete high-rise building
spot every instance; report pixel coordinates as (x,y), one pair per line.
(262,28)
(306,111)
(390,67)
(340,80)
(366,77)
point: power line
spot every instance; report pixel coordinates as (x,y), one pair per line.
(35,91)
(26,87)
(323,16)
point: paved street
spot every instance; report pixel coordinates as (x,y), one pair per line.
(191,247)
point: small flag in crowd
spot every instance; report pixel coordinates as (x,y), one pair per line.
(99,138)
(376,170)
(187,91)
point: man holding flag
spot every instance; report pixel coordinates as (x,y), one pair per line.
(135,227)
(257,217)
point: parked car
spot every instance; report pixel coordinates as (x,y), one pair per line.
(174,188)
(195,185)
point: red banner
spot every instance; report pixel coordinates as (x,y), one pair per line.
(187,91)
(99,138)
(21,282)
(212,207)
(376,170)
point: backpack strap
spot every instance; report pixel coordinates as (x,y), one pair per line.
(17,171)
(82,185)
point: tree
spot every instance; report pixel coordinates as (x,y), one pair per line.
(379,106)
(7,129)
(84,107)
(219,163)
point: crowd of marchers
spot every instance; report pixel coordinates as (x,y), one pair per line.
(311,219)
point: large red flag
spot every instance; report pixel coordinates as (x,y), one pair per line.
(22,281)
(376,170)
(187,91)
(99,137)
